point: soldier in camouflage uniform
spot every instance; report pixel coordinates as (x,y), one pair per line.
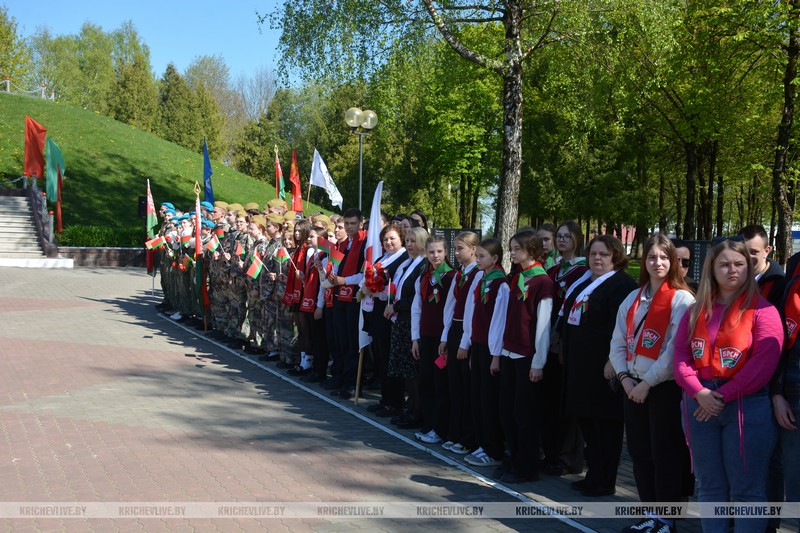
(236,327)
(218,278)
(256,305)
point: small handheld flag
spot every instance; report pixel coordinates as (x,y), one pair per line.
(255,266)
(282,255)
(157,242)
(212,244)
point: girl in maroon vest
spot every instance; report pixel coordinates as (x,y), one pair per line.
(460,438)
(726,351)
(641,351)
(484,321)
(427,324)
(311,306)
(526,341)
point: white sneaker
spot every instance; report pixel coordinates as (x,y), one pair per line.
(481,459)
(177,316)
(459,449)
(430,437)
(447,445)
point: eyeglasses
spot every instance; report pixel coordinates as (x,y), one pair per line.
(685,263)
(564,236)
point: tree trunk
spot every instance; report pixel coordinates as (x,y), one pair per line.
(713,150)
(720,204)
(678,203)
(662,214)
(691,190)
(779,175)
(508,193)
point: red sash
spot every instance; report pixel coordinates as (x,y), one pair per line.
(294,286)
(791,310)
(733,343)
(308,303)
(346,293)
(655,324)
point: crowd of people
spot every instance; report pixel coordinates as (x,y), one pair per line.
(539,370)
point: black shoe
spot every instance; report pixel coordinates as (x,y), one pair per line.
(332,384)
(598,492)
(554,470)
(284,366)
(388,411)
(237,344)
(411,422)
(374,408)
(499,472)
(349,392)
(314,377)
(579,485)
(299,371)
(253,350)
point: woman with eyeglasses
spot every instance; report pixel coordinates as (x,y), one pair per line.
(726,350)
(641,352)
(561,437)
(588,318)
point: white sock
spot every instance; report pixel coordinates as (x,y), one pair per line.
(306,360)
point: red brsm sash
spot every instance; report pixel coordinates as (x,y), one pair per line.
(655,324)
(733,343)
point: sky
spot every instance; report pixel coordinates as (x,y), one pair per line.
(176,31)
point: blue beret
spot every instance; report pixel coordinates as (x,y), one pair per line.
(168,205)
(169,212)
(208,224)
(207,206)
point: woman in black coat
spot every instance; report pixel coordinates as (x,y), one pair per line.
(589,315)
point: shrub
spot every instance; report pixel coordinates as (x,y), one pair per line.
(101,236)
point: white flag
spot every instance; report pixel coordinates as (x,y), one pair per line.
(322,178)
(372,252)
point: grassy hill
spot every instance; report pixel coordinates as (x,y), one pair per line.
(108,162)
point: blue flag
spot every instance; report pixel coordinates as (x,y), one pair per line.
(208,195)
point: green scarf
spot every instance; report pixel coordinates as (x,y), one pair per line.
(495,273)
(534,270)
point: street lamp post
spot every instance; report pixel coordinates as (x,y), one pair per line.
(366,120)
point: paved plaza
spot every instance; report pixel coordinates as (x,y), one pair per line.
(104,400)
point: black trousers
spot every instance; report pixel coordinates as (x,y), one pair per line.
(459,427)
(603,449)
(329,317)
(520,414)
(661,464)
(346,318)
(319,343)
(432,388)
(485,392)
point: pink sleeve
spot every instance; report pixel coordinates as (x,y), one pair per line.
(682,364)
(763,359)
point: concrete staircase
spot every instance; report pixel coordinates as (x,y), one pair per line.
(18,243)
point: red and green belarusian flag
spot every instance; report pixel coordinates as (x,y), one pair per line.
(239,249)
(212,244)
(280,185)
(152,220)
(186,238)
(282,255)
(334,255)
(255,266)
(156,242)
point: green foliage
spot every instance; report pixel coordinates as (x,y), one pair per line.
(178,111)
(15,58)
(93,236)
(108,163)
(134,99)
